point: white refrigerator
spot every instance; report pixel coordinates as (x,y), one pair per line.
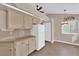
(39,32)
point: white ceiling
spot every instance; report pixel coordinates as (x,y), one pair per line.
(53,8)
(58,8)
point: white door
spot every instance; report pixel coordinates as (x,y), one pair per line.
(48,32)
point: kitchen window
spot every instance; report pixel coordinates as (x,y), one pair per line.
(69,27)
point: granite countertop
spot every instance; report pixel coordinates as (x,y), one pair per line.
(12,39)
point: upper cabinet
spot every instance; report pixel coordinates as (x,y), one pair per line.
(11,19)
(27,22)
(15,19)
(36,21)
(3,18)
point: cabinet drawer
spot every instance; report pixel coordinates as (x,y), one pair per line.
(24,41)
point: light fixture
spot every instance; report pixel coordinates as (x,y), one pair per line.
(67,18)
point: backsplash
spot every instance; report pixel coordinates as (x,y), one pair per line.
(21,33)
(15,33)
(4,34)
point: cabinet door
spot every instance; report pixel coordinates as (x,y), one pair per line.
(27,22)
(21,48)
(36,21)
(3,19)
(15,19)
(32,45)
(6,49)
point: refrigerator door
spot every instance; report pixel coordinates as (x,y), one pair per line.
(41,36)
(39,32)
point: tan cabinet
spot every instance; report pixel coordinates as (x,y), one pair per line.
(3,18)
(15,19)
(36,21)
(32,45)
(21,48)
(6,49)
(12,19)
(27,22)
(25,47)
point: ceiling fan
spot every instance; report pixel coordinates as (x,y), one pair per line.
(39,8)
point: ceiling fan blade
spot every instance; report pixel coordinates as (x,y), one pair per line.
(39,8)
(42,11)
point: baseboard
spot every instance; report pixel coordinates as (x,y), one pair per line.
(66,42)
(40,48)
(52,41)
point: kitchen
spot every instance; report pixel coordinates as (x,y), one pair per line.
(16,25)
(35,29)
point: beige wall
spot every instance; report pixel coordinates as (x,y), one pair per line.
(57,18)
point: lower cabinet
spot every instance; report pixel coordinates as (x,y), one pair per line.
(21,48)
(25,47)
(17,48)
(32,45)
(6,49)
